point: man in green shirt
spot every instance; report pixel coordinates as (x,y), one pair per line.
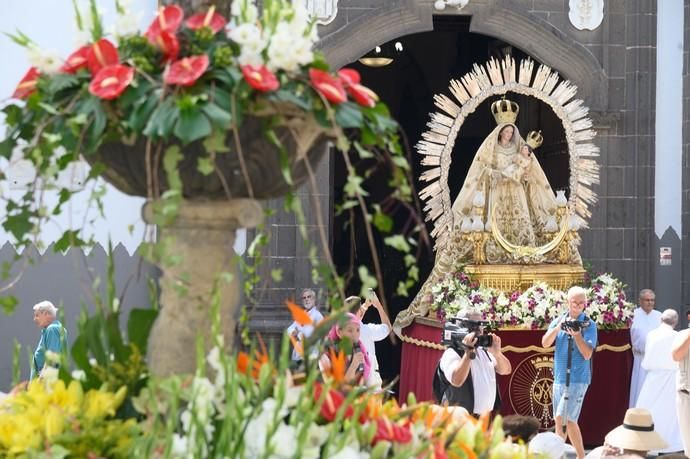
(52,335)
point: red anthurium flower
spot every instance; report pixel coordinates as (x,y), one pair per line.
(187,70)
(328,86)
(169,18)
(260,78)
(349,76)
(27,85)
(331,403)
(111,81)
(208,19)
(390,431)
(168,44)
(101,54)
(362,95)
(77,60)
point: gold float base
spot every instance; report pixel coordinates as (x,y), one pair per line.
(509,278)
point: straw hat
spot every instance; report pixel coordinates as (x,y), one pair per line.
(637,432)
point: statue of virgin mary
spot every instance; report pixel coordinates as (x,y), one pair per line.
(506,181)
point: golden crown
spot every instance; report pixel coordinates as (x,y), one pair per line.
(505,111)
(542,362)
(534,139)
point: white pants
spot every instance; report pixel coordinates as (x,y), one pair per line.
(683,407)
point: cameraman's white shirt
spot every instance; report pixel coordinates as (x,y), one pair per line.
(483,373)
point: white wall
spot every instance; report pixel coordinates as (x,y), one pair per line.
(51,24)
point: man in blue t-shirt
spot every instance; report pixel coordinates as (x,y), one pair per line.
(584,341)
(52,336)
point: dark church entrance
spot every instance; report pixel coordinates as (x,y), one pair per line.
(424,67)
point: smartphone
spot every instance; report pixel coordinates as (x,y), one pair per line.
(372,295)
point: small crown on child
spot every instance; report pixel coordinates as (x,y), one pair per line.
(505,111)
(534,139)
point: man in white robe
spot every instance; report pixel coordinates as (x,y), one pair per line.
(658,394)
(645,319)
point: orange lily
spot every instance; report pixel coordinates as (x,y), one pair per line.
(297,345)
(299,315)
(338,366)
(260,359)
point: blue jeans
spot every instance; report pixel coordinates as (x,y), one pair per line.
(576,395)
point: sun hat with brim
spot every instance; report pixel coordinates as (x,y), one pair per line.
(637,432)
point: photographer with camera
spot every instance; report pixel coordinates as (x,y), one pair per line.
(576,338)
(466,373)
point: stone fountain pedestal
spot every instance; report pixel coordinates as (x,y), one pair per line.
(202,237)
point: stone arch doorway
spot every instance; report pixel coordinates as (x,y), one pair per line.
(429,60)
(344,41)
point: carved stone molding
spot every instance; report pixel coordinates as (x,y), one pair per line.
(586,14)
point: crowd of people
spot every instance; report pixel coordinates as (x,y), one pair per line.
(657,422)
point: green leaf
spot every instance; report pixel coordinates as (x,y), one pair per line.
(363,152)
(13,114)
(382,222)
(286,95)
(163,119)
(139,327)
(277,274)
(218,116)
(19,223)
(49,108)
(94,340)
(192,125)
(205,165)
(283,157)
(216,142)
(223,99)
(368,281)
(142,113)
(398,242)
(349,115)
(61,81)
(353,187)
(8,304)
(70,238)
(7,146)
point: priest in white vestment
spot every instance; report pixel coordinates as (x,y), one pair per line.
(658,394)
(645,319)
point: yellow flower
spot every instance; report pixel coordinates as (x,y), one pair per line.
(99,404)
(18,434)
(54,422)
(70,398)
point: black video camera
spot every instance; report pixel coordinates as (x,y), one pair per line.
(455,330)
(574,325)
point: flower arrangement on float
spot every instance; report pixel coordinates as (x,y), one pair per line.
(534,308)
(245,405)
(62,420)
(236,106)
